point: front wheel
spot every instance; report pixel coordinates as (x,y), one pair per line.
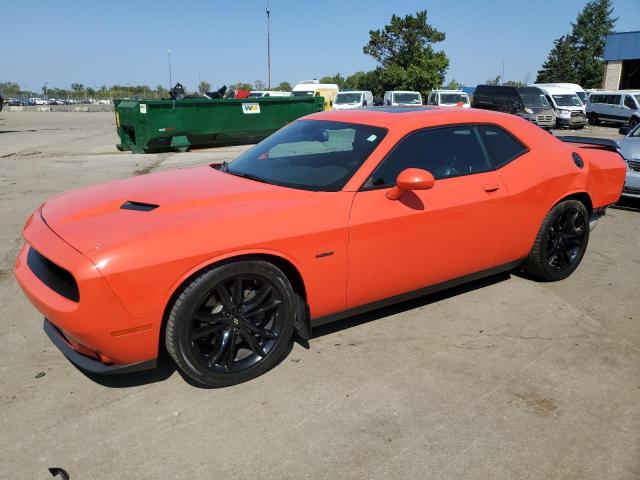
(232,323)
(560,243)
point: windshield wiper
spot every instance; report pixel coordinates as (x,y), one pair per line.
(249,176)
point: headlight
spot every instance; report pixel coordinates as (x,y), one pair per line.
(528,110)
(564,113)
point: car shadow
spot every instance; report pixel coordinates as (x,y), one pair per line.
(166,367)
(407,305)
(628,203)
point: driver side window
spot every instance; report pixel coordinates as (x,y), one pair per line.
(445,152)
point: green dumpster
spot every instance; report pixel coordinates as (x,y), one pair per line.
(161,125)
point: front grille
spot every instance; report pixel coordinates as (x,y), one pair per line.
(634,165)
(577,114)
(632,190)
(545,118)
(53,276)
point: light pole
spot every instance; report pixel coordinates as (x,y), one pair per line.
(168,52)
(502,82)
(268,47)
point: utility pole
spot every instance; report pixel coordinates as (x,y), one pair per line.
(268,47)
(168,52)
(502,78)
(199,78)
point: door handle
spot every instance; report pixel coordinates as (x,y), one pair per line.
(491,187)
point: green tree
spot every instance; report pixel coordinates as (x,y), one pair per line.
(337,79)
(454,85)
(560,64)
(160,91)
(284,87)
(493,81)
(578,56)
(259,85)
(204,87)
(77,87)
(404,49)
(241,86)
(10,89)
(355,80)
(588,37)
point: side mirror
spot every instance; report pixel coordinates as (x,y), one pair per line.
(623,130)
(411,179)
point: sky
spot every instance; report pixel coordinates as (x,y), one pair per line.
(125,41)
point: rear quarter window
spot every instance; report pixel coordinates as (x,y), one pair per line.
(501,146)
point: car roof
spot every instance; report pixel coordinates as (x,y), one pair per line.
(556,90)
(385,116)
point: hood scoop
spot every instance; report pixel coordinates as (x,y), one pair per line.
(139,206)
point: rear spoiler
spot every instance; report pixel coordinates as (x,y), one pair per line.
(602,143)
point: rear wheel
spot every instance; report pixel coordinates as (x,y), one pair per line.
(560,243)
(232,323)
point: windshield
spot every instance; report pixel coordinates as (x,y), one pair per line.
(534,99)
(453,98)
(568,100)
(255,94)
(309,155)
(410,98)
(302,94)
(583,96)
(344,98)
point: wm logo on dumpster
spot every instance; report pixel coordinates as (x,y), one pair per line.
(248,108)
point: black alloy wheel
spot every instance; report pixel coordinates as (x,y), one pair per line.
(232,323)
(561,242)
(565,240)
(237,325)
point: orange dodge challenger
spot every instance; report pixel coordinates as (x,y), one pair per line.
(335,214)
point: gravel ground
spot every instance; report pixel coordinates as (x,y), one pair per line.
(500,379)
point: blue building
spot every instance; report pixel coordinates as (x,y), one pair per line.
(622,61)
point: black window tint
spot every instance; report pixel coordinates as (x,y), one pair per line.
(445,152)
(501,146)
(629,103)
(615,99)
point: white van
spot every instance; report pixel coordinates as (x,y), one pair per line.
(268,93)
(402,97)
(314,88)
(574,87)
(621,106)
(570,111)
(449,98)
(353,99)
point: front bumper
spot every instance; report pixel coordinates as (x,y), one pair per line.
(87,363)
(632,180)
(573,121)
(96,326)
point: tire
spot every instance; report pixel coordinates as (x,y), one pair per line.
(561,242)
(593,119)
(232,323)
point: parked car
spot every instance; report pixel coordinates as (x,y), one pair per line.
(574,87)
(268,93)
(347,99)
(402,98)
(449,98)
(529,103)
(335,214)
(316,89)
(621,106)
(37,101)
(569,109)
(630,150)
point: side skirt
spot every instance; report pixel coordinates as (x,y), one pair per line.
(334,317)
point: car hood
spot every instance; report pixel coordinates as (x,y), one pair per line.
(630,148)
(93,218)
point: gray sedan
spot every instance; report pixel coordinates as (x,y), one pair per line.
(630,149)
